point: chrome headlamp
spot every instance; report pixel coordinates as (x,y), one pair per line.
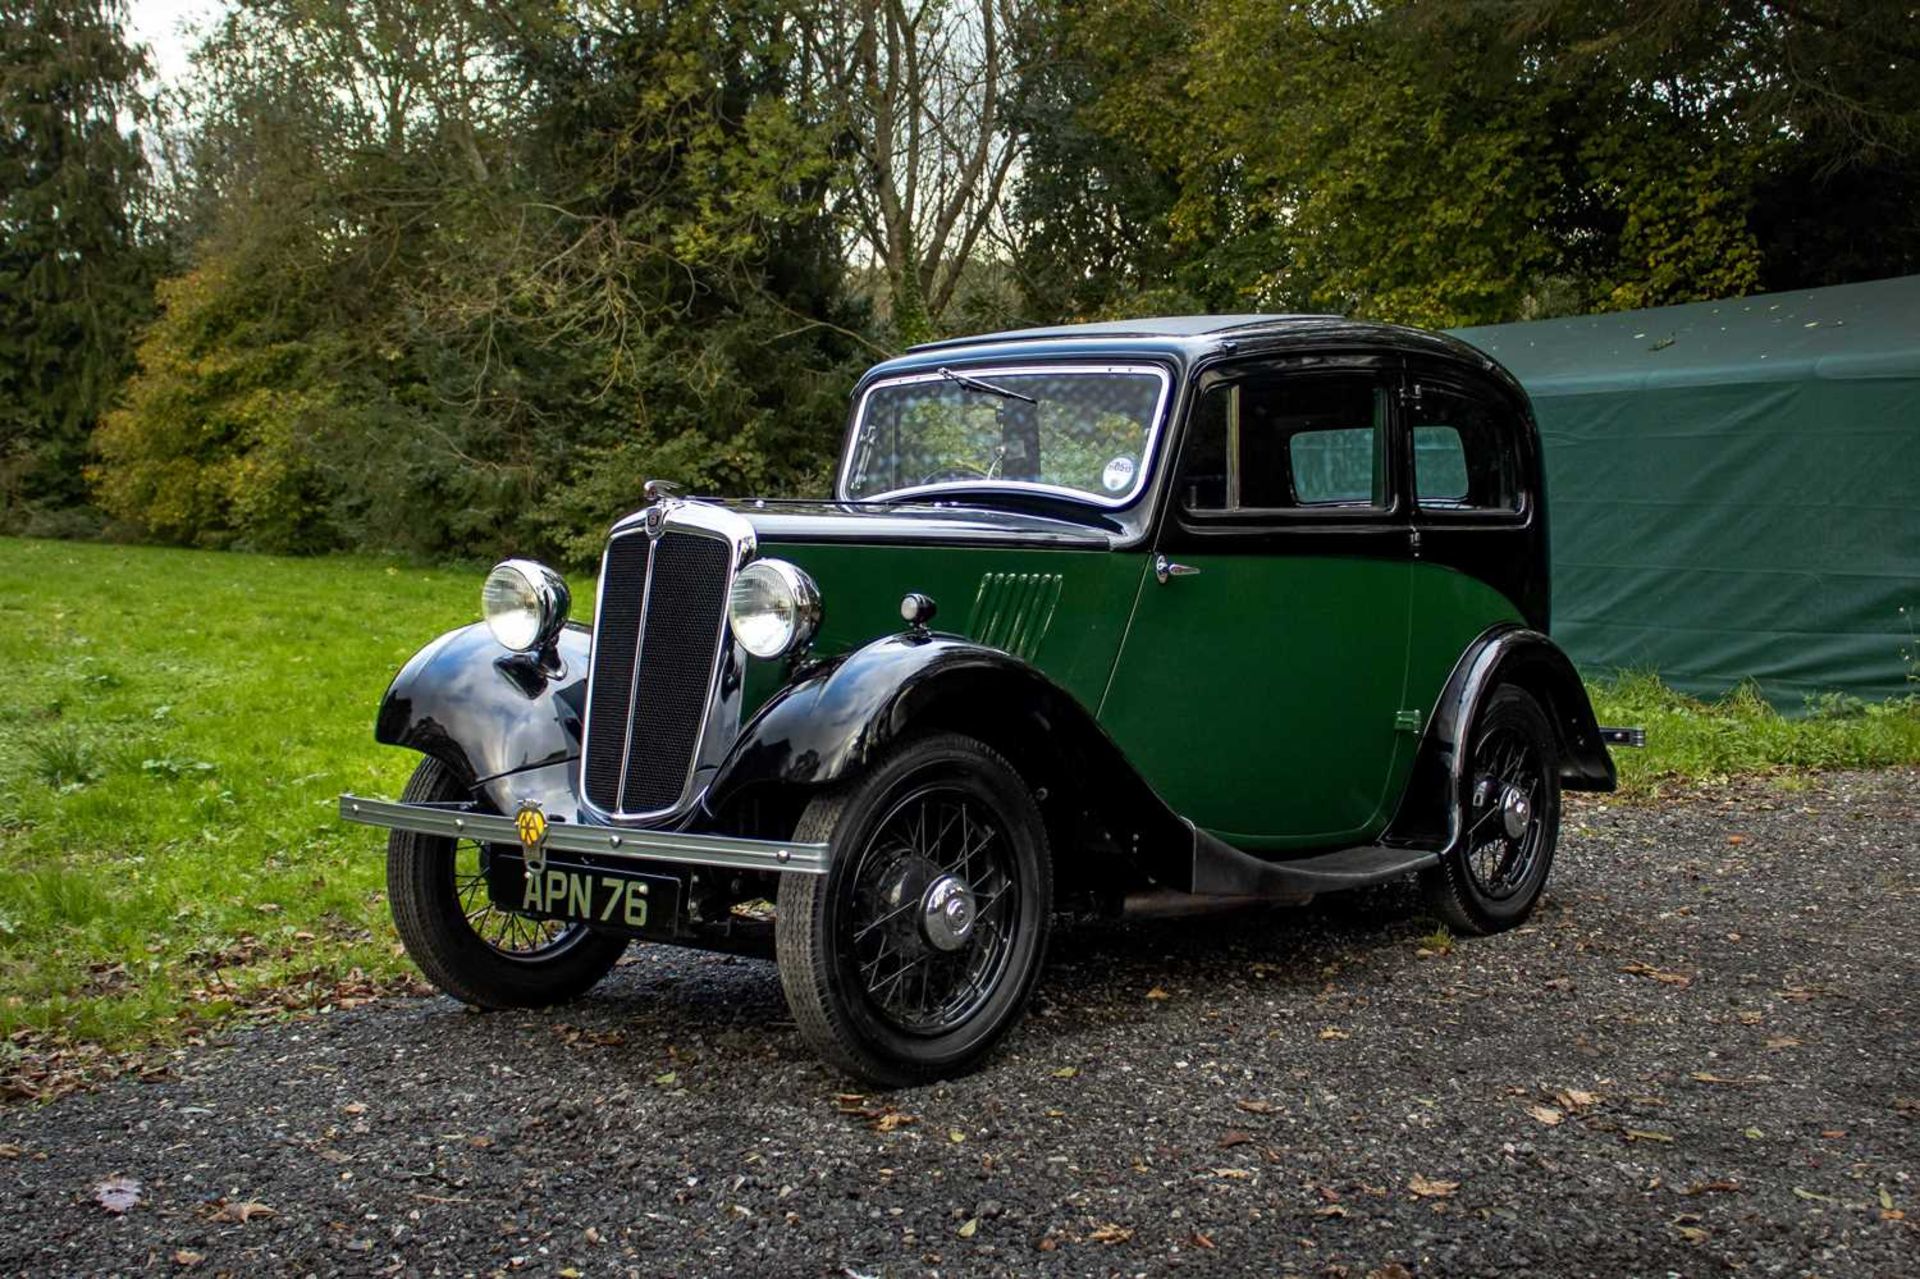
(774,608)
(525,604)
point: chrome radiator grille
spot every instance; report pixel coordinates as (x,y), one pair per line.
(656,644)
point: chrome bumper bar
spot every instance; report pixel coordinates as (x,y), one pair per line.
(729,852)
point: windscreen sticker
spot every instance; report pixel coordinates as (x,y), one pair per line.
(1118,476)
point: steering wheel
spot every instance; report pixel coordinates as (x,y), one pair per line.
(956,471)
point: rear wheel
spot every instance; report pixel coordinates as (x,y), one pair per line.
(912,957)
(1493,880)
(477,954)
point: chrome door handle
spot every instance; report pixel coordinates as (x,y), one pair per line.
(1165,569)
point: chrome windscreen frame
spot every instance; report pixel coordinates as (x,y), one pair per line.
(720,727)
(1149,448)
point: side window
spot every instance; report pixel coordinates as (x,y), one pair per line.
(1288,442)
(1464,453)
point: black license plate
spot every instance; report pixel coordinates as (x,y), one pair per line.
(622,900)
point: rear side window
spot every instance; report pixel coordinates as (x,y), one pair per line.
(1464,452)
(1312,442)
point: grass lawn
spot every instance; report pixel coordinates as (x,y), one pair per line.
(178,725)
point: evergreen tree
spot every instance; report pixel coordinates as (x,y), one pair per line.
(75,276)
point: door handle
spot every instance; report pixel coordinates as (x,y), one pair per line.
(1165,569)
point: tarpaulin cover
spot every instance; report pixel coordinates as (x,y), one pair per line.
(1734,487)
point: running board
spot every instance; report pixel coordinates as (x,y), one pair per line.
(1220,870)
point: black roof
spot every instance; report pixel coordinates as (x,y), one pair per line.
(1159,326)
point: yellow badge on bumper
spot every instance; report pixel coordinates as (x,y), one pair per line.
(531,824)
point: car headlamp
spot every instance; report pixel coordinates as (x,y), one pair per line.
(525,604)
(774,608)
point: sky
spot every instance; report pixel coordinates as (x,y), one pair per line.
(159,24)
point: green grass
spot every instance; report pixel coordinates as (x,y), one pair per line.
(175,729)
(1690,741)
(178,724)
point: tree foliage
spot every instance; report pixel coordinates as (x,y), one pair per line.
(75,274)
(1447,162)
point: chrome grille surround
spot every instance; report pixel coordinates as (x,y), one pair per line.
(719,724)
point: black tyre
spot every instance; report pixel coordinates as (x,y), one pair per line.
(464,946)
(917,952)
(1492,881)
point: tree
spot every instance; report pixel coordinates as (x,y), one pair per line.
(75,270)
(923,94)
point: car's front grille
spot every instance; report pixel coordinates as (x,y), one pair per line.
(662,605)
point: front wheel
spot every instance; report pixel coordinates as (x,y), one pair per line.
(912,957)
(463,945)
(1492,880)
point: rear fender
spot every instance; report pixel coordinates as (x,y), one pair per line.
(1433,806)
(488,712)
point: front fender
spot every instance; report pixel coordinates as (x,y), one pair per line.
(485,710)
(841,715)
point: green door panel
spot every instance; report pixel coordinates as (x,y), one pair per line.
(1062,610)
(1259,695)
(1449,610)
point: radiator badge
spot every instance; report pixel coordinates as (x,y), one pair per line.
(656,520)
(532,826)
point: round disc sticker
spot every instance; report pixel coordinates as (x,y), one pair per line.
(1118,475)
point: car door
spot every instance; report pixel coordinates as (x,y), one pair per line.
(1258,688)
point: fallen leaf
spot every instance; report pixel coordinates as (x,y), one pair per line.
(1334,1032)
(241,1211)
(1892,1214)
(1111,1234)
(1644,1134)
(1736,839)
(1575,1099)
(1392,1270)
(1254,1106)
(1783,1041)
(355,1108)
(117,1194)
(1232,1174)
(1066,1072)
(1546,1114)
(187,1257)
(955,1136)
(1428,1188)
(893,1119)
(1158,993)
(1692,1234)
(1808,1194)
(1712,1188)
(968,1228)
(667,1078)
(1232,1138)
(1331,1210)
(10,1151)
(1706,1077)
(1658,974)
(1200,1241)
(1833,1133)
(1753,1134)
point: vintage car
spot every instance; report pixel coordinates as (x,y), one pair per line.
(1236,607)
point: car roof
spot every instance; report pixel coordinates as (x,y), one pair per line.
(1182,339)
(1162,326)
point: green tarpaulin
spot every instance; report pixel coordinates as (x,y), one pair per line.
(1734,487)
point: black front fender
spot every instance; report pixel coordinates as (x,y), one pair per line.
(484,710)
(840,716)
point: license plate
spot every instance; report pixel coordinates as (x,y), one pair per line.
(616,899)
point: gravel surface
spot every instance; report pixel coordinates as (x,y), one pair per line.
(1699,1057)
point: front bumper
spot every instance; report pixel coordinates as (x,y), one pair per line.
(463,821)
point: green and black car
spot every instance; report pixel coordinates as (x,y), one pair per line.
(1246,607)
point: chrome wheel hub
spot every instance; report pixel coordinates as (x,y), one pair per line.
(1515,811)
(947,913)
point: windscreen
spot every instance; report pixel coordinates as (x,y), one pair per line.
(1078,431)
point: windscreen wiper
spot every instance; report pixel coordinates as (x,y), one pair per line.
(988,388)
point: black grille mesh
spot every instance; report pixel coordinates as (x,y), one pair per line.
(616,636)
(673,638)
(682,628)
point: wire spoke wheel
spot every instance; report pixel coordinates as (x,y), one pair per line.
(1507,825)
(505,933)
(934,897)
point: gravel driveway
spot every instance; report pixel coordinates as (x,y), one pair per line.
(1699,1057)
